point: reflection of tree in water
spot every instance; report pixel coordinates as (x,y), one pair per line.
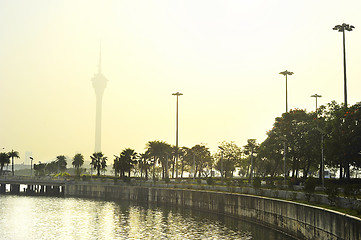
(153,221)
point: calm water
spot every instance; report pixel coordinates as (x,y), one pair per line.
(23,217)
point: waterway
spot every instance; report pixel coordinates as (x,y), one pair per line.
(27,217)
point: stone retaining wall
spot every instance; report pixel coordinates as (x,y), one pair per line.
(299,220)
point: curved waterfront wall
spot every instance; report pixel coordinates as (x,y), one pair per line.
(299,220)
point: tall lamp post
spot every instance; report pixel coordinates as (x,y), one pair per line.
(31,166)
(316,96)
(176,137)
(286,73)
(284,157)
(342,28)
(322,158)
(222,150)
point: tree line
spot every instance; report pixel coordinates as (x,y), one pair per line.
(293,147)
(302,136)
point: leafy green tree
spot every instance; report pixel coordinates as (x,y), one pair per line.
(40,169)
(250,150)
(184,159)
(232,157)
(13,154)
(98,162)
(300,133)
(297,129)
(4,159)
(202,158)
(343,140)
(78,161)
(295,135)
(51,167)
(270,154)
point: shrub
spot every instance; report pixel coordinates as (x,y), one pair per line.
(270,183)
(256,182)
(310,186)
(166,180)
(85,178)
(228,182)
(199,181)
(242,182)
(126,179)
(350,191)
(332,192)
(290,183)
(357,207)
(279,183)
(210,181)
(275,193)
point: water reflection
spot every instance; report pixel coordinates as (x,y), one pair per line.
(71,218)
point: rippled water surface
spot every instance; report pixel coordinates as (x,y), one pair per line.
(23,217)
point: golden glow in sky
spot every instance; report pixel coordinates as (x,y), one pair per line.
(224,56)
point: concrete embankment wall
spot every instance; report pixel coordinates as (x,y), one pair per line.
(299,220)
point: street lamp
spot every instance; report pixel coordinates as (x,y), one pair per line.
(322,160)
(316,96)
(342,28)
(222,150)
(285,73)
(284,156)
(194,166)
(176,141)
(31,165)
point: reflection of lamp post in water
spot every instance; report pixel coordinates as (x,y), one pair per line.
(31,165)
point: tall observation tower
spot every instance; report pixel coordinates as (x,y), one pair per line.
(99,84)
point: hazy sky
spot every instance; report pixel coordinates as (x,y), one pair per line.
(224,56)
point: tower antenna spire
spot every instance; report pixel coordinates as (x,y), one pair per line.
(100,58)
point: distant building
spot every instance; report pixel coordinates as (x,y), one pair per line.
(27,160)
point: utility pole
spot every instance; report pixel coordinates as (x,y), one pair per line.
(176,133)
(316,96)
(285,73)
(342,28)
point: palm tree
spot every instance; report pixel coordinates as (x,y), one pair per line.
(78,161)
(160,151)
(116,166)
(103,164)
(144,164)
(182,152)
(61,162)
(13,154)
(129,156)
(4,159)
(99,161)
(125,162)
